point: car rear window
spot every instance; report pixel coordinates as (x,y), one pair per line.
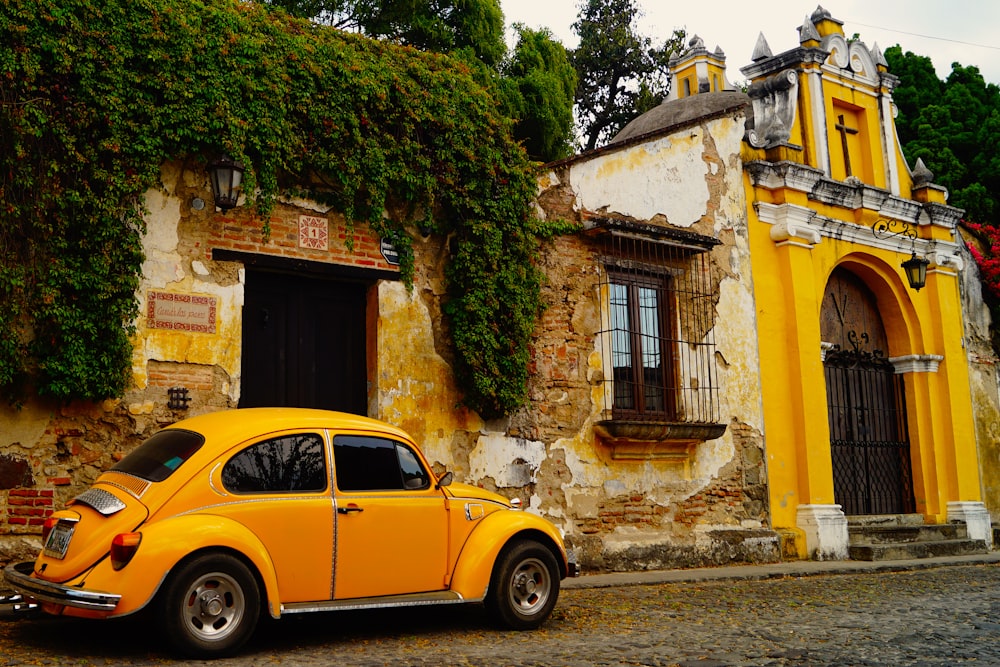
(160,455)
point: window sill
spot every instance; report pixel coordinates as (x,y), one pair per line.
(654,441)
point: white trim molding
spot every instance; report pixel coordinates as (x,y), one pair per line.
(916,363)
(976,518)
(825,527)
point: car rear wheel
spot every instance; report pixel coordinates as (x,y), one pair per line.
(524,586)
(210,606)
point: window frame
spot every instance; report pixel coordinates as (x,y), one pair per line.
(659,282)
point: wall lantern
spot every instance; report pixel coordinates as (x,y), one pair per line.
(915,269)
(227,181)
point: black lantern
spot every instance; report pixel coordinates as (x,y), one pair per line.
(915,269)
(227,180)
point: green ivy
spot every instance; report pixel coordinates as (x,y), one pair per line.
(95,95)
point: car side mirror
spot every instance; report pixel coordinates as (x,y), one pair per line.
(445,479)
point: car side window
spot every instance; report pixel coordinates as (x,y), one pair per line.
(279,465)
(366,463)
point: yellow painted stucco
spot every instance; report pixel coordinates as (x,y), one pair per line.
(793,259)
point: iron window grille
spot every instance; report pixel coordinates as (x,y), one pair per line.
(658,310)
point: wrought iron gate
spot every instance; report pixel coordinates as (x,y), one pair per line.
(868,432)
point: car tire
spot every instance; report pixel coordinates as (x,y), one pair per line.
(524,586)
(210,606)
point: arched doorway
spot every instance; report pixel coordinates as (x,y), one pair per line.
(869,439)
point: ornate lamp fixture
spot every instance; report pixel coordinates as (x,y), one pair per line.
(915,267)
(227,181)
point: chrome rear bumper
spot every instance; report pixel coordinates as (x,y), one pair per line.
(18,575)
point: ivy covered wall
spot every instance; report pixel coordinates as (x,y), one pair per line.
(96,95)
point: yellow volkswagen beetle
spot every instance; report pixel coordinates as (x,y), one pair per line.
(220,517)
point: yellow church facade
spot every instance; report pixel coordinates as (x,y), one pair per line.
(864,375)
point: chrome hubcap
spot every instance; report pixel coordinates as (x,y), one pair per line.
(214,606)
(211,604)
(530,586)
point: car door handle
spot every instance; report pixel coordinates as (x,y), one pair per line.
(350,508)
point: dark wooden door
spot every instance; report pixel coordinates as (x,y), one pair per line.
(867,412)
(303,343)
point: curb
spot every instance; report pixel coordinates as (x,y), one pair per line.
(771,571)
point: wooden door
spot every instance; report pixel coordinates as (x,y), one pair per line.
(304,343)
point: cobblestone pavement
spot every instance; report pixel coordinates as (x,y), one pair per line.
(941,616)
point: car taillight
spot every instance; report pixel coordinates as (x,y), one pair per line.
(47,527)
(123,548)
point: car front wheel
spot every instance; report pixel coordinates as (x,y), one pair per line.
(524,586)
(210,606)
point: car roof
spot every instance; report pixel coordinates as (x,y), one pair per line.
(244,423)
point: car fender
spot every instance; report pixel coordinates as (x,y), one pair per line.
(474,568)
(166,543)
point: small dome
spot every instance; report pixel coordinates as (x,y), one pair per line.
(676,112)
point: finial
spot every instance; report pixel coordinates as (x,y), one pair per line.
(808,32)
(921,174)
(820,14)
(761,50)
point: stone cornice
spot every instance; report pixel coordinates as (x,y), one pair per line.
(850,194)
(803,226)
(789,59)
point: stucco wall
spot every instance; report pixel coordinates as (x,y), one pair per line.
(984,375)
(710,508)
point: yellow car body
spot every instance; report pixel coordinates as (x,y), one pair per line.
(222,516)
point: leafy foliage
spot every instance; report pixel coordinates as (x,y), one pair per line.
(536,83)
(540,83)
(621,74)
(954,127)
(95,95)
(474,27)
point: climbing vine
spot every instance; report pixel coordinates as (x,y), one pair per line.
(95,95)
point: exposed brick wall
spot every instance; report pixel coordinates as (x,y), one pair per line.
(27,509)
(192,376)
(240,231)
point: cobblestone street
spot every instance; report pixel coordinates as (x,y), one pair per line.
(939,616)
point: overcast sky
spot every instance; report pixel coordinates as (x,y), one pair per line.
(946,31)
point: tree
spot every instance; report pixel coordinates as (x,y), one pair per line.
(616,67)
(539,84)
(954,127)
(473,27)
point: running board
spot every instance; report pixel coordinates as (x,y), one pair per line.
(381,602)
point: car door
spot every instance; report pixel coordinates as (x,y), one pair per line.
(392,528)
(279,488)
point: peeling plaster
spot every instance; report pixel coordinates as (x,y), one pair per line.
(415,385)
(740,374)
(636,181)
(510,462)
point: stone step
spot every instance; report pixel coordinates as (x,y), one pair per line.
(911,550)
(885,520)
(870,534)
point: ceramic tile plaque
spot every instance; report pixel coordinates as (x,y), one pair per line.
(314,233)
(181,312)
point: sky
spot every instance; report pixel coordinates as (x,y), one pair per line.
(946,31)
